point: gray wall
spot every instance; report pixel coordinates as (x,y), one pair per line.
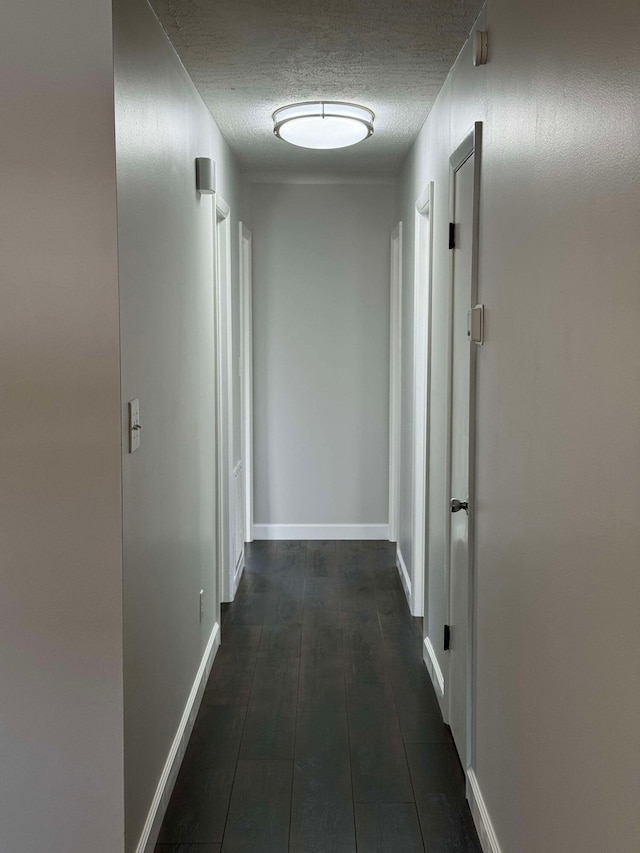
(558,441)
(60,509)
(165,253)
(321,352)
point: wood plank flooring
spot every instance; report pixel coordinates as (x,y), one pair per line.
(319,731)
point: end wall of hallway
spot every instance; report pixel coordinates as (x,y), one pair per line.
(321,358)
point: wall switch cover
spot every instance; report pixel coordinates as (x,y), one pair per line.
(134,425)
(475,325)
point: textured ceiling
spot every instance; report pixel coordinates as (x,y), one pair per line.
(249,57)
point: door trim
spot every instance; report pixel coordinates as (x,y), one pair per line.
(395,380)
(246,372)
(225,396)
(423,277)
(471,145)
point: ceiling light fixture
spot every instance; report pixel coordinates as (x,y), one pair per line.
(323,124)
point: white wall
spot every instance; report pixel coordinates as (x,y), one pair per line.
(61,738)
(321,352)
(558,447)
(166,280)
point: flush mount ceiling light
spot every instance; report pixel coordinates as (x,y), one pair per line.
(323,124)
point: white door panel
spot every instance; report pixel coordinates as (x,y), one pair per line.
(463,295)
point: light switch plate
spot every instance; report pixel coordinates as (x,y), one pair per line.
(134,425)
(475,325)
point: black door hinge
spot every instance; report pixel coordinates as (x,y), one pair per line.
(447,637)
(452,235)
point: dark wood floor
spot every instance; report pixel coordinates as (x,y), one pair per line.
(319,731)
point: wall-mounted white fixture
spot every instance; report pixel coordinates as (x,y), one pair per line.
(205,175)
(480,47)
(323,124)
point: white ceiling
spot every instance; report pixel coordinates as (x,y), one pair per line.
(249,57)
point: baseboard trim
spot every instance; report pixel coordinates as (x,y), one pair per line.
(160,801)
(237,577)
(486,832)
(321,531)
(433,667)
(404,576)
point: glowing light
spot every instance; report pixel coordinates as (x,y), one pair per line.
(323,124)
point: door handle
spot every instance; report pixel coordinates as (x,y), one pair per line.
(457,505)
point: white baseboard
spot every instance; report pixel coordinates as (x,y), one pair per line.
(404,575)
(321,531)
(237,577)
(160,801)
(486,832)
(433,668)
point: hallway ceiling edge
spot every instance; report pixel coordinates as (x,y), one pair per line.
(248,58)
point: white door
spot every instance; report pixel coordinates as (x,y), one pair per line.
(464,189)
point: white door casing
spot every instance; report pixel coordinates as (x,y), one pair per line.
(225,388)
(421,376)
(464,201)
(395,378)
(246,375)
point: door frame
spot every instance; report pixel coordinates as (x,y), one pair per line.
(224,334)
(246,373)
(395,379)
(422,296)
(470,146)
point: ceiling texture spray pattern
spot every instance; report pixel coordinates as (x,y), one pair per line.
(248,58)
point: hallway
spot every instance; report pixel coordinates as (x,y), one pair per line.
(319,731)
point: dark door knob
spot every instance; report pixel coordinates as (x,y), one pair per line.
(457,505)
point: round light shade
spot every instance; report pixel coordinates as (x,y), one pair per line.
(323,124)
